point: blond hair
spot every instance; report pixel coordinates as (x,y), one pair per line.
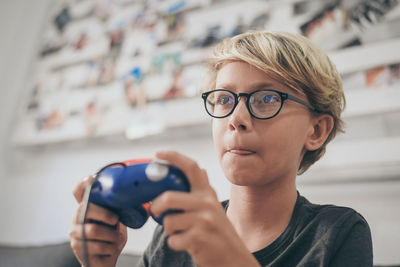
(294,61)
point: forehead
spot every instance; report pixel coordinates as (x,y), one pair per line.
(240,76)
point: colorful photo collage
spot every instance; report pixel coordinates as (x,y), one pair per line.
(376,78)
(98,56)
(131,51)
(338,24)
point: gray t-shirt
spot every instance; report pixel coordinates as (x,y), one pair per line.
(317,235)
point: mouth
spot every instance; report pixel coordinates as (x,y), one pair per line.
(240,151)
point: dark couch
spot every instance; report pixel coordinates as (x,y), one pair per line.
(58,255)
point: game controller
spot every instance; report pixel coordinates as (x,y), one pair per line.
(127,187)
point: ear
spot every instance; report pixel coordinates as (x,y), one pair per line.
(322,126)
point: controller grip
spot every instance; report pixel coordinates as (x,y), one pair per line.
(134,217)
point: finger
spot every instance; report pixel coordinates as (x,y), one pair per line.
(94,248)
(187,240)
(95,232)
(175,223)
(175,200)
(197,177)
(97,213)
(178,241)
(79,190)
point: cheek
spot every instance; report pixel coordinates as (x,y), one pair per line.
(282,145)
(217,137)
(284,148)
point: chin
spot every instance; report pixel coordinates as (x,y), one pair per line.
(243,177)
(240,168)
(238,181)
(243,182)
(250,176)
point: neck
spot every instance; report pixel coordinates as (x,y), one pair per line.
(260,214)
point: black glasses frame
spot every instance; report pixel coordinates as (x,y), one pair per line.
(284,97)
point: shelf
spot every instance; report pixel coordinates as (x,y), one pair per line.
(173,7)
(357,160)
(68,56)
(224,15)
(385,30)
(393,14)
(196,55)
(367,56)
(372,101)
(132,123)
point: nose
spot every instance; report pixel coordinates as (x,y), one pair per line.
(240,119)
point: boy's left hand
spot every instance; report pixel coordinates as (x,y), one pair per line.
(203,229)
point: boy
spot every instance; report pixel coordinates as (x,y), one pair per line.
(276,102)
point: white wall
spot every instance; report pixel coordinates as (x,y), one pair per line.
(20,23)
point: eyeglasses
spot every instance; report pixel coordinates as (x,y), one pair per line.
(262,104)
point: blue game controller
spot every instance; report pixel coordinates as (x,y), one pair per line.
(126,188)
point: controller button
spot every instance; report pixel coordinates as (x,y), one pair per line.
(156,172)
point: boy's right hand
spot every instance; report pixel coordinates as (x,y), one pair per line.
(105,235)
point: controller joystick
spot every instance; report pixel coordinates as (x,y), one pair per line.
(126,188)
(156,171)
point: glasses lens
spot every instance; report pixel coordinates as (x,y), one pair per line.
(265,104)
(220,103)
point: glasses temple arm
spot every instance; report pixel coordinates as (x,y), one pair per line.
(301,102)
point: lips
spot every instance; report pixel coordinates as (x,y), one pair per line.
(241,151)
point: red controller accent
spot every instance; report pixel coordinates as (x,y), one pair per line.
(136,161)
(146,207)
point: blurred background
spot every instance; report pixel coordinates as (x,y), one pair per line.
(88,82)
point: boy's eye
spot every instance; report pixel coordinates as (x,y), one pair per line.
(224,99)
(270,99)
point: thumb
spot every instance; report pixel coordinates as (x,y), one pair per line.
(79,190)
(196,176)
